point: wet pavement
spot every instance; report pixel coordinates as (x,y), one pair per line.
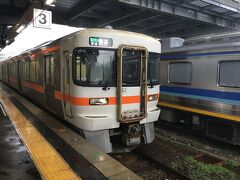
(15,162)
(86,161)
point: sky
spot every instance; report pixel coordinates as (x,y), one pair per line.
(32,36)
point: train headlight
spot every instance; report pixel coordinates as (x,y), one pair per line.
(153,97)
(98,101)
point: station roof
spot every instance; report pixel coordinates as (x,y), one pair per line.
(159,18)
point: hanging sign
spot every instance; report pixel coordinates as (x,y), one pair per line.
(42,18)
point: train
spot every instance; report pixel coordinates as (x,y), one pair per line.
(200,86)
(104,82)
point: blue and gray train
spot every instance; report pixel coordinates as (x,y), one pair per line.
(200,86)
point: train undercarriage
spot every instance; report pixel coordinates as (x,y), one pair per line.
(213,127)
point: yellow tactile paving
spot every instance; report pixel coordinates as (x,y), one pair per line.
(93,155)
(48,162)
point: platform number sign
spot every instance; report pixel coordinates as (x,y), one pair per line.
(42,18)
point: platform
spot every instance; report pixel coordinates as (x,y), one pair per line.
(14,158)
(57,151)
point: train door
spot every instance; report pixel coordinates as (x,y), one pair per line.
(132,83)
(66,85)
(50,84)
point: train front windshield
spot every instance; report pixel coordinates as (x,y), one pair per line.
(98,67)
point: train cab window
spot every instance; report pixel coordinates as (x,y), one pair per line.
(229,74)
(131,68)
(94,67)
(180,72)
(81,70)
(153,68)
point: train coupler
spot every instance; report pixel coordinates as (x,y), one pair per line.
(131,134)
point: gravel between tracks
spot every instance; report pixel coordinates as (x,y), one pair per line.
(165,149)
(141,166)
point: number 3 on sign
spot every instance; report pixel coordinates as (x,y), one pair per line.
(42,18)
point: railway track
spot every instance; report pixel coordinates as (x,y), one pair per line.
(207,151)
(184,135)
(163,153)
(147,161)
(146,167)
(172,174)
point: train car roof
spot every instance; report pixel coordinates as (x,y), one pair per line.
(199,47)
(118,37)
(112,31)
(86,32)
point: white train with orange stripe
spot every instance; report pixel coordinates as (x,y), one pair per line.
(103,81)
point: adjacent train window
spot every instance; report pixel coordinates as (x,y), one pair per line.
(229,74)
(180,72)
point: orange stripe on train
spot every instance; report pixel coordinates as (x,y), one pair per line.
(81,101)
(85,101)
(47,50)
(33,86)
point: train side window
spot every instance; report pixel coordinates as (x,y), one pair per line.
(26,70)
(180,72)
(37,71)
(10,69)
(67,70)
(229,74)
(32,71)
(23,70)
(14,69)
(50,71)
(0,71)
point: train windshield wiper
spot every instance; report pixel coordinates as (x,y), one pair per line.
(106,86)
(107,82)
